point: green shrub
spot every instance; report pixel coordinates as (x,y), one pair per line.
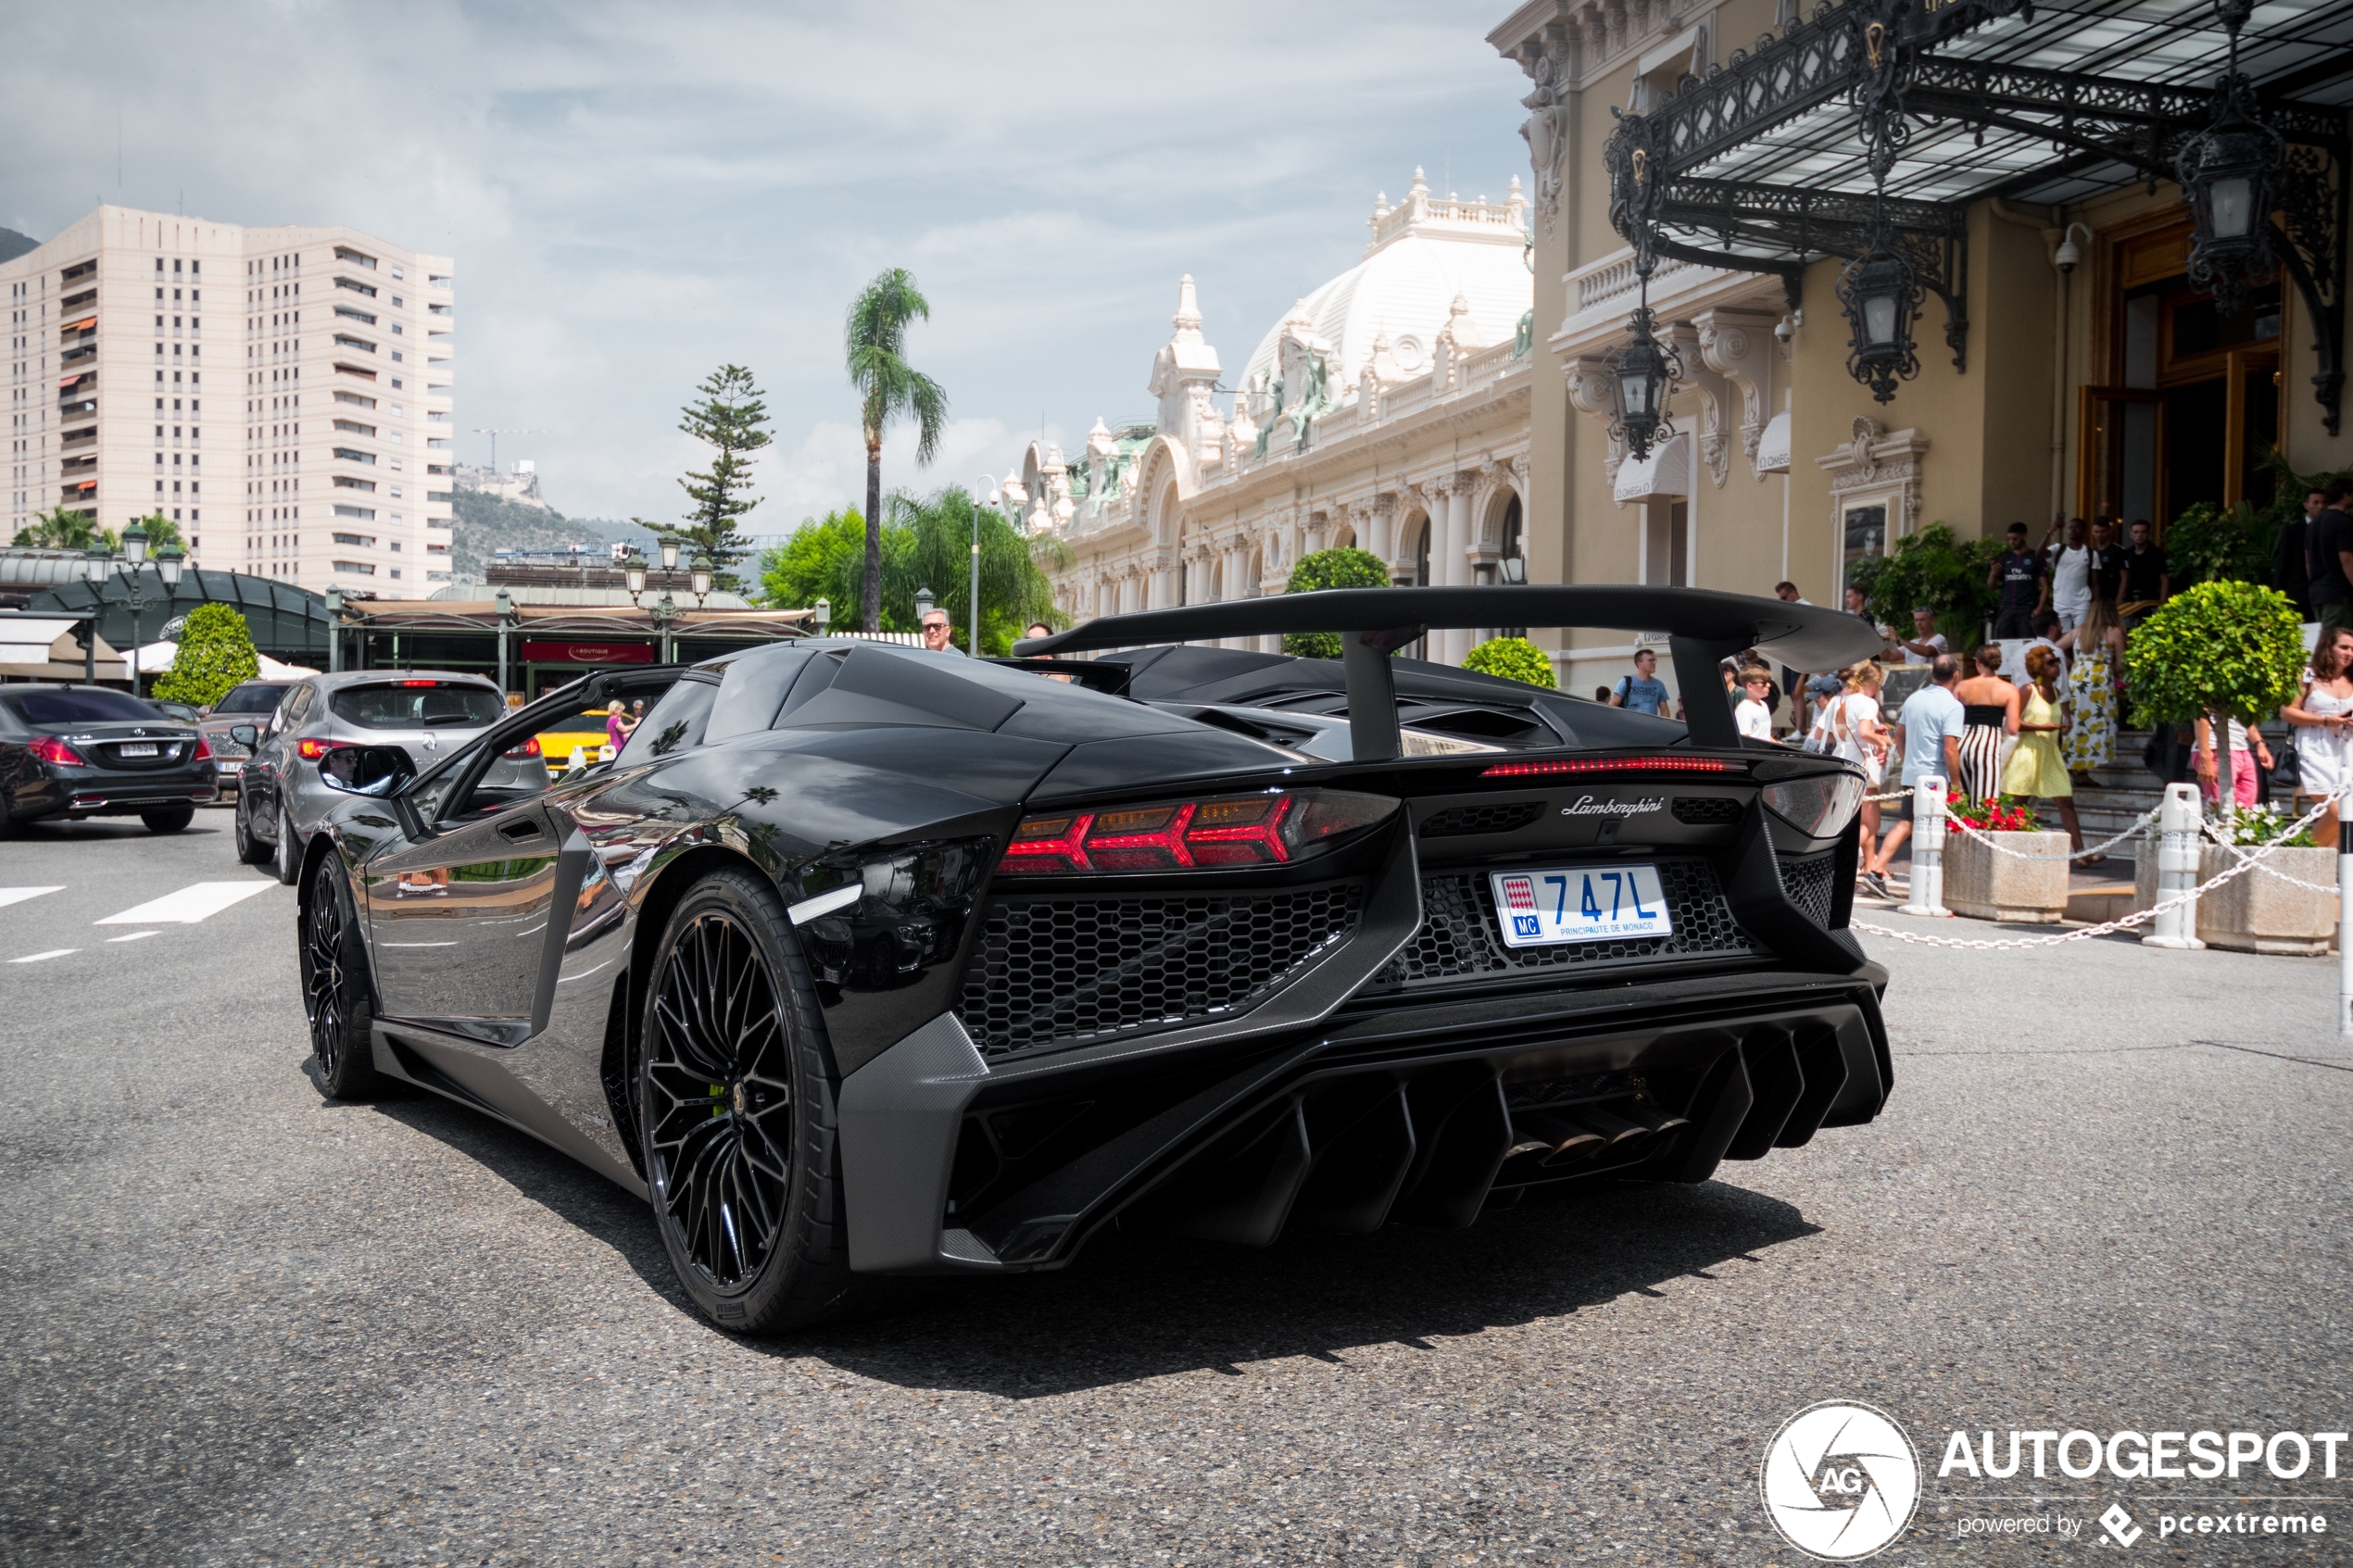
(2230,647)
(1934,567)
(1515,659)
(2211,543)
(215,653)
(1329,568)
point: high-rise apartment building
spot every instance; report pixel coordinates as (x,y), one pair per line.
(283,394)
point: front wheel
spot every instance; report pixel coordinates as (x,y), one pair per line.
(736,1093)
(335,987)
(251,851)
(171,819)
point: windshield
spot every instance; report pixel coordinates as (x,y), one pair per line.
(84,705)
(417,705)
(251,697)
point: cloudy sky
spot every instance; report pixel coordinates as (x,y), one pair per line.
(636,193)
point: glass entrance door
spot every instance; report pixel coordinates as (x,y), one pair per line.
(2121,468)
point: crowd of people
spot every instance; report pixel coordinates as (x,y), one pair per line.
(2032,712)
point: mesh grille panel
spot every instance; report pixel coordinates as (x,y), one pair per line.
(1706,810)
(1067,970)
(1809,884)
(1506,818)
(1458,937)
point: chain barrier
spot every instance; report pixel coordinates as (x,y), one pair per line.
(2109,928)
(2143,820)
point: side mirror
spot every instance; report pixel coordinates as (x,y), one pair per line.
(366,770)
(245,736)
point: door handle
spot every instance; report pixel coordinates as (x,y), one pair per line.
(519,830)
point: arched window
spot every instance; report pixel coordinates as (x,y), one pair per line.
(1421,555)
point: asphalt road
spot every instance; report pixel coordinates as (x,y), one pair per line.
(241,1325)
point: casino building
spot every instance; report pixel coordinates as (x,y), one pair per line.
(1789,287)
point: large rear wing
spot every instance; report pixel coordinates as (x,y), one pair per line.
(1702,628)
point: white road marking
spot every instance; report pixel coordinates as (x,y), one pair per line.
(18,895)
(199,901)
(52,953)
(135,936)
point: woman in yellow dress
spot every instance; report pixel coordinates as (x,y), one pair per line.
(2035,771)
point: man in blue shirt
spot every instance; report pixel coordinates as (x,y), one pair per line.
(1643,691)
(1927,735)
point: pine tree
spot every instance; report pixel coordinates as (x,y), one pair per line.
(731,417)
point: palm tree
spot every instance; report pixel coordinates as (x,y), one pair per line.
(888,389)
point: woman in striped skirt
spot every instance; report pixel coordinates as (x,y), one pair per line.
(1989,713)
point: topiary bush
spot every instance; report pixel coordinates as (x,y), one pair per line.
(2222,648)
(216,652)
(2212,544)
(1329,568)
(1515,659)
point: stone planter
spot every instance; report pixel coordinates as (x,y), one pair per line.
(2254,912)
(1984,885)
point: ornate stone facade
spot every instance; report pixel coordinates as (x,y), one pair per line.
(1388,410)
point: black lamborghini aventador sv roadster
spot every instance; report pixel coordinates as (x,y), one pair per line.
(860,959)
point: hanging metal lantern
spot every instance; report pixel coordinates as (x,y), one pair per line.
(2230,175)
(1645,371)
(1881,296)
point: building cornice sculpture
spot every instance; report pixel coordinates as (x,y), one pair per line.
(1739,345)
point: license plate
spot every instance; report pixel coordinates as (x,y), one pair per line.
(1579,904)
(136,749)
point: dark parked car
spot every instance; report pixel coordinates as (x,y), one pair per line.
(71,752)
(247,703)
(861,960)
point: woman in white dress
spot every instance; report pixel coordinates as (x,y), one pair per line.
(1852,726)
(2322,715)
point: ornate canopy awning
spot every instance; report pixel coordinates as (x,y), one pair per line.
(1881,120)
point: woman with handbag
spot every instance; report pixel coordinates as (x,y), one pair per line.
(1989,715)
(2094,646)
(2036,770)
(2323,716)
(1852,725)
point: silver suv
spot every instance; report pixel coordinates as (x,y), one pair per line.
(427,713)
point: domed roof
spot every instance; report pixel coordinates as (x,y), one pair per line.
(1423,254)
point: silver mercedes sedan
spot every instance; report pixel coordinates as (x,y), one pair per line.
(427,713)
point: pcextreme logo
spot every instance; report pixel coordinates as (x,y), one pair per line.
(1841,1481)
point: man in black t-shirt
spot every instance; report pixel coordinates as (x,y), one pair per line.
(2107,561)
(2332,552)
(2147,582)
(2017,573)
(2292,556)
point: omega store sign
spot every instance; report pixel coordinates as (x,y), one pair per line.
(586,653)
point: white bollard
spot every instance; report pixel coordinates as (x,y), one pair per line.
(579,758)
(2177,865)
(1928,849)
(2344,914)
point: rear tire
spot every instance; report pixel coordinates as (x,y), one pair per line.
(736,1093)
(251,851)
(335,994)
(286,854)
(171,819)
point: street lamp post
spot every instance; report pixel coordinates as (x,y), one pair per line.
(335,629)
(820,615)
(168,566)
(504,602)
(988,484)
(97,567)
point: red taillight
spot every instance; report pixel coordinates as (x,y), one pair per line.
(204,751)
(524,752)
(419,682)
(1268,829)
(48,748)
(314,749)
(1611,765)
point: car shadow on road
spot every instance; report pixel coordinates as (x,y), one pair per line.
(1138,1305)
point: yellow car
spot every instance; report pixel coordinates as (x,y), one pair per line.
(581,736)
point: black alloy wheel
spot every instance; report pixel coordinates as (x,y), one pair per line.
(335,987)
(251,851)
(285,855)
(736,1091)
(169,819)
